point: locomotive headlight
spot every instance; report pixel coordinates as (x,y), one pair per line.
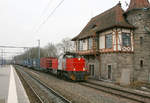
(79,58)
(74,69)
(83,69)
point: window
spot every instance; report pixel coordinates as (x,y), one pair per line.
(93,26)
(81,45)
(109,41)
(90,41)
(109,71)
(141,41)
(126,39)
(78,45)
(141,63)
(139,16)
(91,67)
(84,41)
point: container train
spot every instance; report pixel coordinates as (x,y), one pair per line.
(65,66)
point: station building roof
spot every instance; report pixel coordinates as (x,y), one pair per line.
(104,21)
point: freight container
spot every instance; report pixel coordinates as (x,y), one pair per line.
(36,64)
(49,63)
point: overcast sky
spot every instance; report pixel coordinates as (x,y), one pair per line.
(20,19)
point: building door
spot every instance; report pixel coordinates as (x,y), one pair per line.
(109,71)
(91,69)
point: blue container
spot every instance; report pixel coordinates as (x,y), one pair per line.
(36,64)
(24,63)
(30,62)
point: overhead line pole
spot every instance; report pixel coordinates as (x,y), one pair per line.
(2,56)
(39,51)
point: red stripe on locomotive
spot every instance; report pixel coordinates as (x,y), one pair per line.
(75,64)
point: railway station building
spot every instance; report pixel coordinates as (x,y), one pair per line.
(116,44)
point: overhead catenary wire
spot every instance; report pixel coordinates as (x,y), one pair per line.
(49,16)
(47,7)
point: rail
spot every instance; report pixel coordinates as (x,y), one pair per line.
(121,93)
(63,99)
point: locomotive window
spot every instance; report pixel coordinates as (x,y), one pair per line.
(69,56)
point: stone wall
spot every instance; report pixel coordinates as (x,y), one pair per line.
(127,67)
(95,61)
(139,18)
(118,61)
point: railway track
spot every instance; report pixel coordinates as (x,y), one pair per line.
(139,98)
(33,93)
(53,95)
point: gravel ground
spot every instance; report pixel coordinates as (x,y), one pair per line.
(32,97)
(43,92)
(76,92)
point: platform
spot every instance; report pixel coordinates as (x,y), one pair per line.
(11,88)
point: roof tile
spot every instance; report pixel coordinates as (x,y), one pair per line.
(109,19)
(136,4)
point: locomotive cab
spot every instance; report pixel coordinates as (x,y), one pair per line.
(73,67)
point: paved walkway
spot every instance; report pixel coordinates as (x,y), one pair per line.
(11,88)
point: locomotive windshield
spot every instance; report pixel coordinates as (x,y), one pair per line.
(71,55)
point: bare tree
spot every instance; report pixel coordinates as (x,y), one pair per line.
(31,53)
(50,50)
(66,46)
